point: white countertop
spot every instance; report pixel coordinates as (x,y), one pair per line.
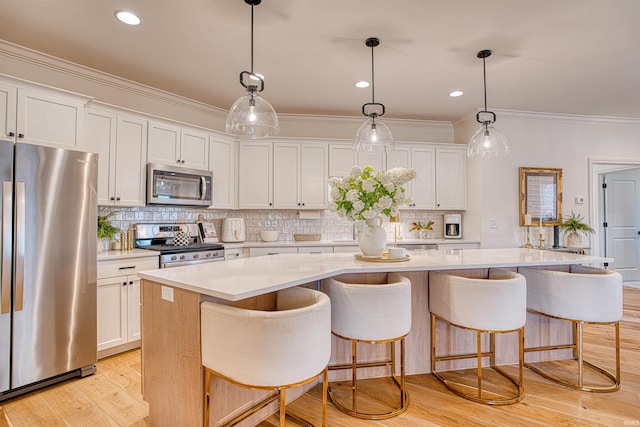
(134,253)
(247,277)
(292,243)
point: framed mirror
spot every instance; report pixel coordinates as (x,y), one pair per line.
(541,196)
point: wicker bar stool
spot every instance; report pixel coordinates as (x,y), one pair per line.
(584,295)
(371,314)
(495,305)
(268,350)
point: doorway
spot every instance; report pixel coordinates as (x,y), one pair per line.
(616,212)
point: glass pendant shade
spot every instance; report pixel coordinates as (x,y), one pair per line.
(373,136)
(251,116)
(488,142)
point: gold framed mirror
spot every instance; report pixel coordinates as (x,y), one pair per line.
(541,196)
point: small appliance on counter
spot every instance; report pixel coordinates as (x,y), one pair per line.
(233,230)
(453,226)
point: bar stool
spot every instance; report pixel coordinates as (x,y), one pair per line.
(495,305)
(371,314)
(268,350)
(582,295)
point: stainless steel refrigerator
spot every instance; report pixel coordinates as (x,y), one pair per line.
(48,266)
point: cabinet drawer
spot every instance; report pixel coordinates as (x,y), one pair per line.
(315,250)
(271,251)
(122,267)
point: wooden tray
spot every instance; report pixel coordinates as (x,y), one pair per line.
(383,258)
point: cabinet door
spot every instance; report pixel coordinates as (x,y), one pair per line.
(164,144)
(47,119)
(222,162)
(341,159)
(255,175)
(112,312)
(375,160)
(133,308)
(314,161)
(194,149)
(423,187)
(8,95)
(286,176)
(400,157)
(451,179)
(130,163)
(101,139)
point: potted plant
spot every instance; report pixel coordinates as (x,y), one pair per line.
(572,225)
(106,231)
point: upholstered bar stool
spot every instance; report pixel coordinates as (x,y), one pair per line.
(371,314)
(268,350)
(494,305)
(582,295)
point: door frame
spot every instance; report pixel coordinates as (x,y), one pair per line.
(598,167)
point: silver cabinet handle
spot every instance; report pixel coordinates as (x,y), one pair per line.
(20,243)
(5,281)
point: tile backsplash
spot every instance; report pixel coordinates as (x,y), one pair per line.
(329,225)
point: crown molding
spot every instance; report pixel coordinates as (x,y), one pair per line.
(555,117)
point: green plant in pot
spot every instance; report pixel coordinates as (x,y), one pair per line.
(106,231)
(573,225)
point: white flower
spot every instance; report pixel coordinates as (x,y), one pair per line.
(352,195)
(358,206)
(369,185)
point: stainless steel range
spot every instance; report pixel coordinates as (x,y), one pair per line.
(178,244)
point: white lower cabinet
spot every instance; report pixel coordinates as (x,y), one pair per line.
(315,250)
(119,303)
(272,251)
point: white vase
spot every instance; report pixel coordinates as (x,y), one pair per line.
(100,246)
(373,239)
(574,240)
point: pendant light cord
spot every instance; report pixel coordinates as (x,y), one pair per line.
(252,42)
(373,82)
(484,75)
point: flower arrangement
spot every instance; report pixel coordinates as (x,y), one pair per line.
(106,230)
(420,226)
(365,194)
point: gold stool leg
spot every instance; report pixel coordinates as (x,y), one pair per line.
(354,377)
(325,387)
(479,368)
(580,355)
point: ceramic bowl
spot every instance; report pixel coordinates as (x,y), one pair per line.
(269,236)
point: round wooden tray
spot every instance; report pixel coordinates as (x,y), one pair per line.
(383,258)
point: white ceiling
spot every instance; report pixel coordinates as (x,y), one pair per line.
(560,56)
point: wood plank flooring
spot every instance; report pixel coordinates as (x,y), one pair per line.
(112,396)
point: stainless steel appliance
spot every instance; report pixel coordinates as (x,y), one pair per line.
(160,237)
(48,279)
(453,226)
(172,185)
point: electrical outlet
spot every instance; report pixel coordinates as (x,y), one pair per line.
(579,200)
(167,293)
(493,224)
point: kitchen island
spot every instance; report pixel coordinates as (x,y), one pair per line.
(172,373)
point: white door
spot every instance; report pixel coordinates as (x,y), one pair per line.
(314,169)
(164,144)
(222,162)
(8,111)
(255,178)
(286,176)
(101,139)
(622,213)
(130,162)
(194,149)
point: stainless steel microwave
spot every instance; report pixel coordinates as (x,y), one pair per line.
(172,185)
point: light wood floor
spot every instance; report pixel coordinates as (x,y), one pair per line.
(112,396)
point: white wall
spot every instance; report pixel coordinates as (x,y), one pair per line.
(546,141)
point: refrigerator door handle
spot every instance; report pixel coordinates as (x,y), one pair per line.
(5,281)
(20,243)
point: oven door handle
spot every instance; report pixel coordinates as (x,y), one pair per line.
(191,262)
(203,187)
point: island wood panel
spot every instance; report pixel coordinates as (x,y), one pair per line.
(172,381)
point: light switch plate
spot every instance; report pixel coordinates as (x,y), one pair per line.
(579,200)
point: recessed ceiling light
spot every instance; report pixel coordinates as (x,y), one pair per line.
(128,18)
(455,93)
(362,84)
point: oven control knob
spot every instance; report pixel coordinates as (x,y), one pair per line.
(208,255)
(182,257)
(196,256)
(173,258)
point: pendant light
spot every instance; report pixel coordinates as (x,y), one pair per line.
(487,141)
(373,135)
(251,116)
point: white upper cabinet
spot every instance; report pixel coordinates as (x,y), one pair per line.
(421,190)
(300,173)
(342,158)
(451,178)
(222,163)
(170,144)
(121,143)
(42,116)
(255,175)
